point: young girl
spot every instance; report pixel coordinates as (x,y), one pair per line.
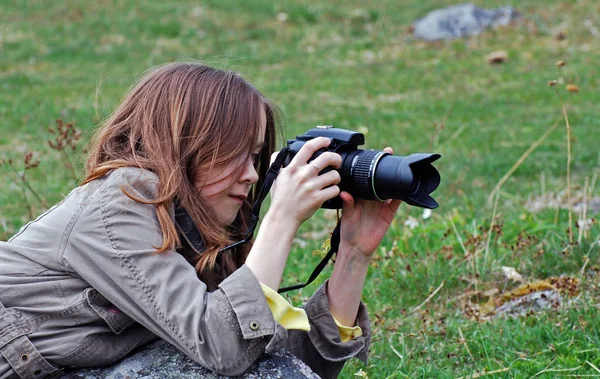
(109,268)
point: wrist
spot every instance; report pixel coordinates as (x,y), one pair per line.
(354,253)
(269,253)
(345,286)
(283,221)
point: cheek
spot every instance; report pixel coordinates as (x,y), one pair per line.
(220,179)
(215,190)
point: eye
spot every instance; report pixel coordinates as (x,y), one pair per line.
(254,157)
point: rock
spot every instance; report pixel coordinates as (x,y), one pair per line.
(461,21)
(533,302)
(510,273)
(497,57)
(161,360)
(572,88)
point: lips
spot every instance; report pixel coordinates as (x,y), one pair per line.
(239,198)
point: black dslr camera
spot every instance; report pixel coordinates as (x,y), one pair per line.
(374,174)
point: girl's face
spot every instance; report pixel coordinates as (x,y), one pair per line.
(226,188)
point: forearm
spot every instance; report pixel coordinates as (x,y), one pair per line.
(270,250)
(346,284)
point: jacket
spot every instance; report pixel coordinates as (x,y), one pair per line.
(84,284)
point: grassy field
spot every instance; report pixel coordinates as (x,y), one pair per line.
(354,64)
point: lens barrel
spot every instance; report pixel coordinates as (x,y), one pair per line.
(358,173)
(377,175)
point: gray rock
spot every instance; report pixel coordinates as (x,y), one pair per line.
(461,21)
(161,360)
(533,302)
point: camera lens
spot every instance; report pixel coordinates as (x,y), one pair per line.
(358,172)
(377,175)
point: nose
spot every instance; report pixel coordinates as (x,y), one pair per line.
(249,175)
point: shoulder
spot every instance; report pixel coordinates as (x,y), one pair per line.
(125,206)
(132,176)
(125,191)
(133,180)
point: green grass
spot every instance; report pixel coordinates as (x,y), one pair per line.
(354,65)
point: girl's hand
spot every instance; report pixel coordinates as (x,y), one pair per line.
(299,190)
(365,222)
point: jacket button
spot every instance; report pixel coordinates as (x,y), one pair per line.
(254,325)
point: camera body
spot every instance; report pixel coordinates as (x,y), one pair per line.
(373,174)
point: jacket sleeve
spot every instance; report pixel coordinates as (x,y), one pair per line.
(291,317)
(322,348)
(112,246)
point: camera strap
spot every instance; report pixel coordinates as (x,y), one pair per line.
(335,243)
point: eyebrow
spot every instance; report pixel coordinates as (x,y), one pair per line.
(259,145)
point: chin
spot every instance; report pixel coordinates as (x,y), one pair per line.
(228,221)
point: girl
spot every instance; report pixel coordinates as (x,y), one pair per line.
(110,269)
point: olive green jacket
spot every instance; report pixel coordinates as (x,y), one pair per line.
(84,281)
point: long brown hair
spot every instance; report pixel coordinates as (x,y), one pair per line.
(178,121)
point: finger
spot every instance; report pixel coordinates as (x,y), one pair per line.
(308,149)
(395,204)
(328,159)
(328,193)
(393,207)
(348,205)
(389,150)
(327,179)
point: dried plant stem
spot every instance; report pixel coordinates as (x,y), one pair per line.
(457,133)
(69,164)
(587,257)
(564,109)
(593,366)
(438,129)
(464,343)
(23,192)
(464,249)
(556,213)
(521,160)
(26,201)
(556,370)
(582,271)
(485,373)
(492,221)
(25,184)
(428,299)
(583,218)
(396,352)
(460,241)
(34,192)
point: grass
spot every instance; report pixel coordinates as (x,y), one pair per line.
(354,65)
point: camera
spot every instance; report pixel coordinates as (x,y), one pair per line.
(373,174)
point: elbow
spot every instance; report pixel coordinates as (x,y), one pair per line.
(228,359)
(234,370)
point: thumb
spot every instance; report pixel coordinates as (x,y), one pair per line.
(348,205)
